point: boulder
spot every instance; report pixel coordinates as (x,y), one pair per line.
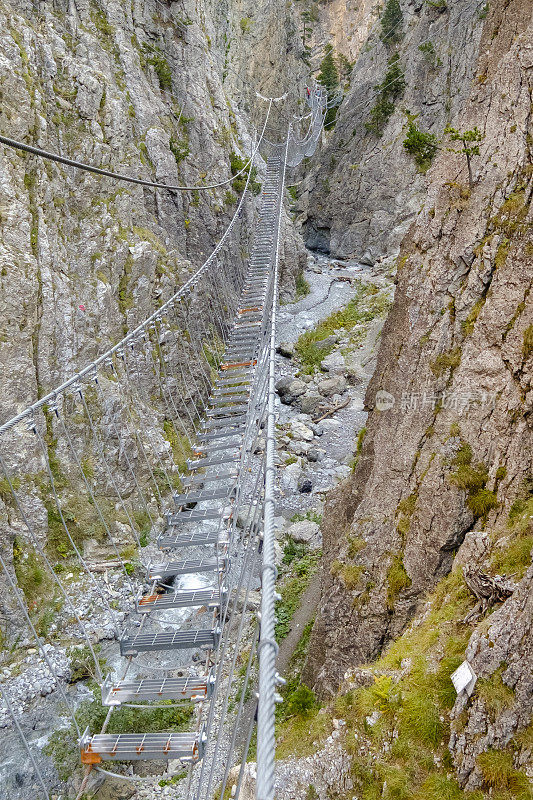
(333,385)
(310,402)
(296,388)
(301,431)
(304,532)
(285,349)
(325,344)
(299,448)
(290,476)
(282,386)
(305,486)
(334,364)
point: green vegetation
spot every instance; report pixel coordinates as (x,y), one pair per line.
(6,494)
(389,90)
(230,199)
(367,304)
(468,325)
(179,148)
(63,746)
(406,509)
(358,448)
(472,478)
(328,77)
(496,695)
(245,24)
(299,720)
(311,515)
(421,145)
(397,580)
(179,776)
(410,707)
(81,663)
(302,286)
(469,141)
(391,21)
(298,566)
(237,165)
(355,545)
(31,574)
(499,774)
(527,347)
(293,192)
(446,361)
(181,447)
(350,573)
(430,55)
(125,296)
(513,556)
(100,22)
(151,54)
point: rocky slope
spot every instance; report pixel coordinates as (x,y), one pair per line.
(445,468)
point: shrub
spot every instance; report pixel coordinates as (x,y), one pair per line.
(469,141)
(179,148)
(391,21)
(301,701)
(63,746)
(152,55)
(389,90)
(421,145)
(472,478)
(428,49)
(81,663)
(397,579)
(302,286)
(239,165)
(246,24)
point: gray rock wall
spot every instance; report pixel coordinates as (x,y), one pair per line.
(363,192)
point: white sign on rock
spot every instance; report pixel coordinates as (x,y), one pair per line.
(464,678)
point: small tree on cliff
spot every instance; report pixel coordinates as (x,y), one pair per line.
(470,147)
(391,21)
(328,77)
(329,73)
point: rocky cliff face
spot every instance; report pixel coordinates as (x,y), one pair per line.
(144,89)
(446,460)
(140,86)
(366,191)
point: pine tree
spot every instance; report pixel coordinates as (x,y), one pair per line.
(329,73)
(391,21)
(328,77)
(469,140)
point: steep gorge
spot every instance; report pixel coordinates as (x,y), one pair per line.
(443,480)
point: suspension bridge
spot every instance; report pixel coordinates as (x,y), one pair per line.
(190,636)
